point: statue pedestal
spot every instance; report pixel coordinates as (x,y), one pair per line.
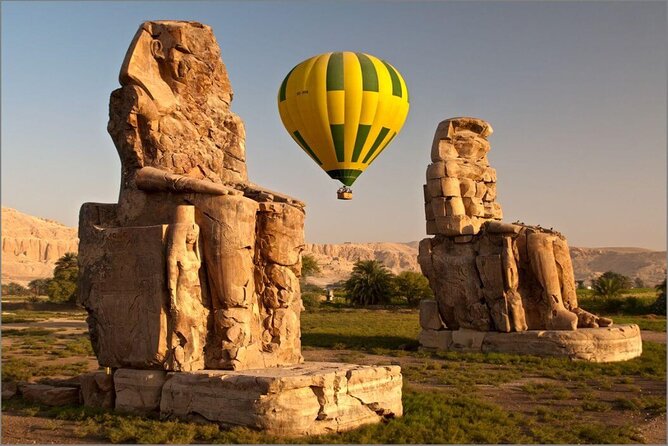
(305,399)
(609,344)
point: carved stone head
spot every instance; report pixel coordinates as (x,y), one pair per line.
(173,111)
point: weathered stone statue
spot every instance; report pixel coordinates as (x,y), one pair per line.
(487,275)
(197,268)
(180,144)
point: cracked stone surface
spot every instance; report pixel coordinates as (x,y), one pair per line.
(305,399)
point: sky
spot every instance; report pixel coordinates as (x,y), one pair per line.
(575,92)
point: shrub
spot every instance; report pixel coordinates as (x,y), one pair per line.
(63,286)
(413,287)
(14,289)
(310,266)
(370,283)
(39,287)
(659,306)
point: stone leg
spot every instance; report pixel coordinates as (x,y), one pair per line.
(567,280)
(227,226)
(280,240)
(540,248)
(511,283)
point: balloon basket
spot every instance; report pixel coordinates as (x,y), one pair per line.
(344,194)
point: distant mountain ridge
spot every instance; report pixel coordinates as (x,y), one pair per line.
(31,245)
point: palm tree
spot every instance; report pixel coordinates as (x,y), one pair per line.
(370,283)
(610,284)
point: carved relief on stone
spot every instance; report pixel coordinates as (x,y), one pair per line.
(188,316)
(487,275)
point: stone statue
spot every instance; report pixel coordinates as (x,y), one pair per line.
(188,314)
(180,144)
(191,281)
(487,275)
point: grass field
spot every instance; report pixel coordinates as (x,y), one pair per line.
(448,397)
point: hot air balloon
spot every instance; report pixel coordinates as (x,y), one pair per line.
(343,109)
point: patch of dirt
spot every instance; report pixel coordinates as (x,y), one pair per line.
(653,336)
(19,429)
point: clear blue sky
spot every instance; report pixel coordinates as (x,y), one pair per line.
(576,93)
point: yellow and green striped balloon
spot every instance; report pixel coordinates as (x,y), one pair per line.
(343,109)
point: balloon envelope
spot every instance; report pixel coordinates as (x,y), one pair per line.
(343,109)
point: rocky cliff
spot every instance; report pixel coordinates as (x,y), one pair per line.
(32,245)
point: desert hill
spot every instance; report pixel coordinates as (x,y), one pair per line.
(31,245)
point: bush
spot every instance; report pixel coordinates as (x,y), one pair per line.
(659,306)
(370,283)
(310,266)
(413,287)
(39,287)
(63,287)
(14,289)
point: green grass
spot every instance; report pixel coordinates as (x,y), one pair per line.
(650,322)
(360,329)
(23,316)
(433,416)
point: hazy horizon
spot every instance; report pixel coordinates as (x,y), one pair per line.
(575,91)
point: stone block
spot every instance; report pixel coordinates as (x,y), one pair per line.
(435,170)
(97,389)
(465,340)
(429,212)
(438,208)
(50,395)
(138,390)
(122,286)
(431,228)
(493,210)
(9,389)
(489,175)
(430,319)
(306,399)
(480,189)
(490,195)
(455,206)
(609,344)
(454,225)
(467,187)
(435,189)
(442,150)
(437,339)
(425,192)
(450,187)
(473,206)
(463,239)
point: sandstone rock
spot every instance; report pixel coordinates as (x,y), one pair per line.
(450,187)
(429,316)
(138,390)
(618,343)
(50,395)
(435,339)
(308,399)
(97,389)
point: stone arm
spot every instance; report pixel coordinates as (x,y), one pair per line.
(157,180)
(259,193)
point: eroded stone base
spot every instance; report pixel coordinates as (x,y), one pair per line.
(305,399)
(609,344)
